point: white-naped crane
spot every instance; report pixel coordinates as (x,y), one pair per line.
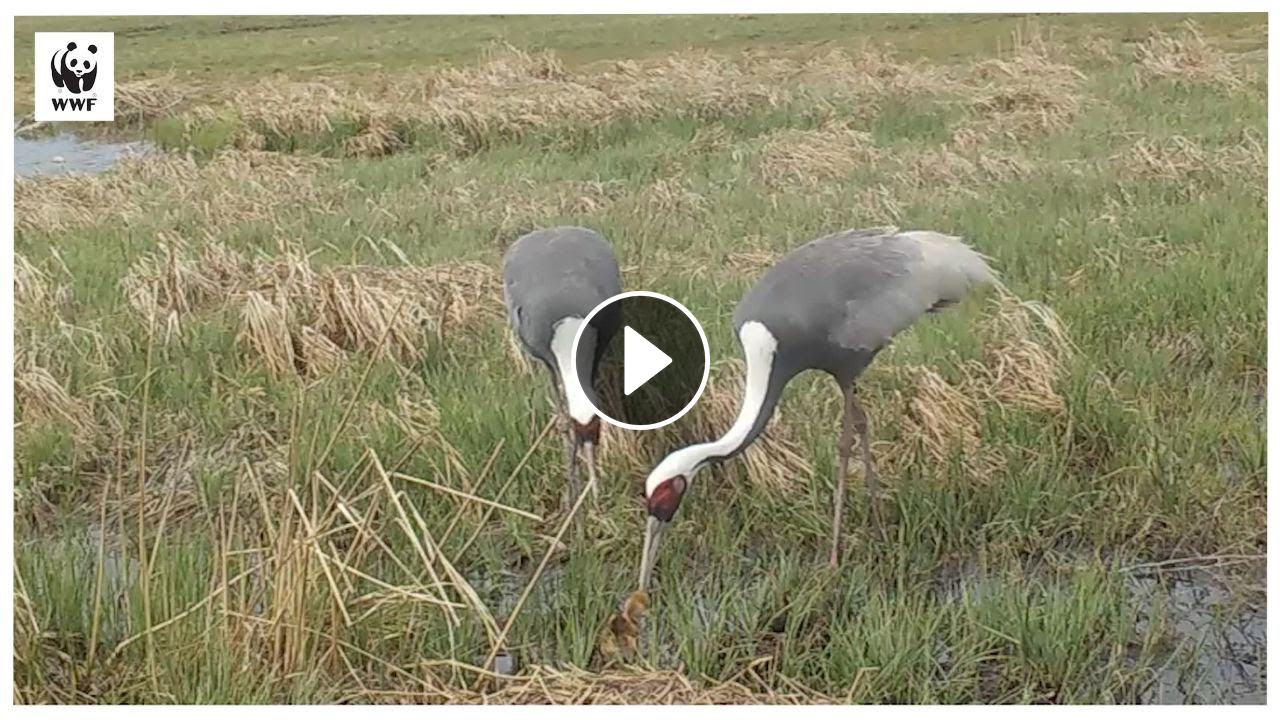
(829,305)
(551,280)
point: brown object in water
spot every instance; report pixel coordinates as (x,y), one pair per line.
(617,639)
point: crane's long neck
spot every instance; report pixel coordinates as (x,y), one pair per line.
(763,388)
(575,395)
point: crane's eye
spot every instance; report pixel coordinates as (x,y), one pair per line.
(665,499)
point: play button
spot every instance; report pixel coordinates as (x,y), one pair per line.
(659,368)
(641,360)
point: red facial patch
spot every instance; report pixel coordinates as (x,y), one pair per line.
(665,498)
(589,432)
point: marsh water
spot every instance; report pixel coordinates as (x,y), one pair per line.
(1220,655)
(66,152)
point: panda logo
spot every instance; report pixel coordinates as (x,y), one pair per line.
(75,69)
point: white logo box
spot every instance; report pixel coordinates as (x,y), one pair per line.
(75,76)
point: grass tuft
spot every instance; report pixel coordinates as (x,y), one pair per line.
(1186,56)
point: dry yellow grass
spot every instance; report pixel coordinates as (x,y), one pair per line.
(173,487)
(1026,94)
(517,204)
(373,141)
(40,398)
(287,108)
(174,280)
(626,686)
(142,101)
(436,681)
(868,74)
(511,92)
(1181,159)
(301,319)
(30,284)
(521,204)
(939,424)
(36,295)
(301,560)
(357,308)
(417,414)
(322,354)
(1187,57)
(879,204)
(1099,48)
(948,170)
(709,137)
(670,197)
(806,158)
(1025,352)
(265,331)
(234,186)
(750,262)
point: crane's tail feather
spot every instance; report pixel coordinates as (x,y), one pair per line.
(937,271)
(949,267)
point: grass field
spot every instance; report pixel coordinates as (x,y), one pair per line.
(234,358)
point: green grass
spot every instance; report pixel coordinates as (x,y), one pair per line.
(231,50)
(155,509)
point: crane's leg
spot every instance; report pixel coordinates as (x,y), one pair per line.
(570,441)
(844,448)
(869,475)
(589,449)
(570,461)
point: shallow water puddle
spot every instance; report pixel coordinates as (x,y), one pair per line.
(1216,634)
(66,153)
(1221,653)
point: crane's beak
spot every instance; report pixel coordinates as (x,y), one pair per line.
(652,534)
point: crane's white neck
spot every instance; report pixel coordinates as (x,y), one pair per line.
(758,347)
(562,335)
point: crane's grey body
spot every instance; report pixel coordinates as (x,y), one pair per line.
(837,301)
(551,280)
(553,274)
(831,305)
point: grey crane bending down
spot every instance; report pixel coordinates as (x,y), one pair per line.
(552,279)
(829,305)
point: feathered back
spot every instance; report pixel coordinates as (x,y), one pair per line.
(952,267)
(918,271)
(858,288)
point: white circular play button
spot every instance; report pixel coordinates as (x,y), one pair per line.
(641,360)
(661,359)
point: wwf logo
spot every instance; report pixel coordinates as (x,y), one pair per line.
(75,69)
(75,76)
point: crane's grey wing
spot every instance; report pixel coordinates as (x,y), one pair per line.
(894,279)
(512,304)
(552,274)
